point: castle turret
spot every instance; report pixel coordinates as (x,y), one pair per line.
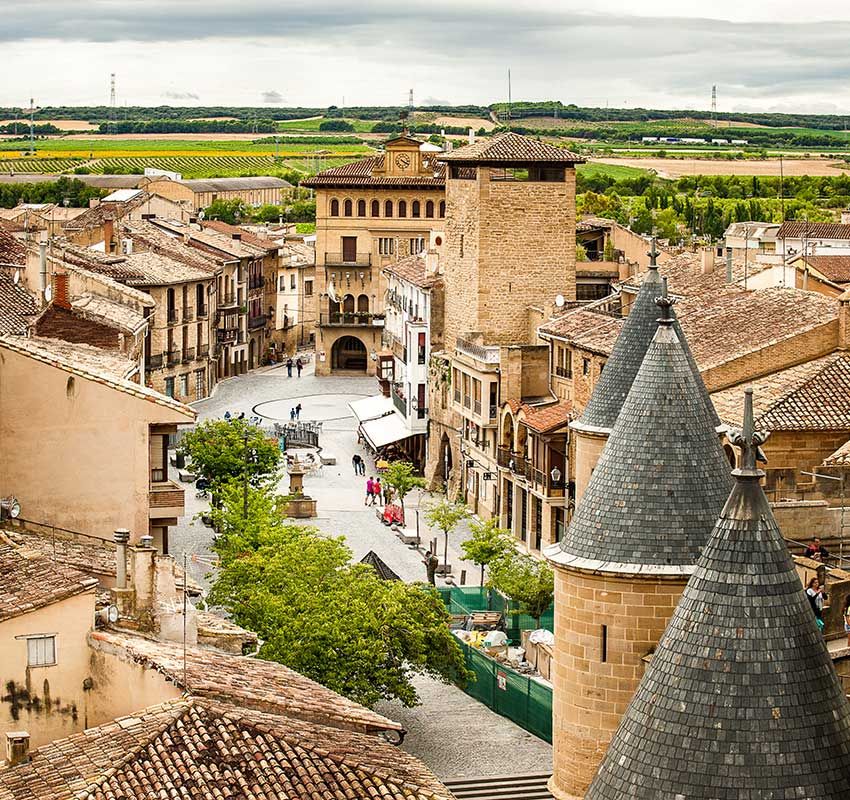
(741,698)
(622,565)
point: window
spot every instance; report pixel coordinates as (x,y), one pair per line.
(585,366)
(41,651)
(545,174)
(361,208)
(463,173)
(402,208)
(169,387)
(604,644)
(376,208)
(442,208)
(429,209)
(334,207)
(292,281)
(281,283)
(563,362)
(184,385)
(461,245)
(417,245)
(308,288)
(386,246)
(416,209)
(420,348)
(347,208)
(388,208)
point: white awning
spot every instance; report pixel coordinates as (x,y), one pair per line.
(385,430)
(371,407)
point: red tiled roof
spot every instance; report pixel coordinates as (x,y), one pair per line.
(360,173)
(17,305)
(196,748)
(245,236)
(30,580)
(546,418)
(508,148)
(813,230)
(840,458)
(412,270)
(588,329)
(12,250)
(833,268)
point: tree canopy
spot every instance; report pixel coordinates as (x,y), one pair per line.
(399,475)
(487,544)
(445,515)
(335,622)
(525,579)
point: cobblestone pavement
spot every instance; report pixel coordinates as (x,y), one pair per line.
(454,734)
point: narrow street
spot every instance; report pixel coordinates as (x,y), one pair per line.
(454,734)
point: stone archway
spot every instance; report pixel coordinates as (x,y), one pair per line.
(445,458)
(348,353)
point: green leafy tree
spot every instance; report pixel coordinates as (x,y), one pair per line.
(445,515)
(222,451)
(527,580)
(336,622)
(487,544)
(399,475)
(230,211)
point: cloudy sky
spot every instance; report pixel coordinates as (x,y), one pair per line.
(762,54)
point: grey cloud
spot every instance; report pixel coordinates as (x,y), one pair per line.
(181,95)
(272,96)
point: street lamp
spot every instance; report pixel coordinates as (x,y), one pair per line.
(556,475)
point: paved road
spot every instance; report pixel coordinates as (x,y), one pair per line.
(452,733)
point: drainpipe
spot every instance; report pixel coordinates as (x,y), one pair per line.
(121,536)
(42,272)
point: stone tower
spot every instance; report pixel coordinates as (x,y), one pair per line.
(510,235)
(741,698)
(591,431)
(648,509)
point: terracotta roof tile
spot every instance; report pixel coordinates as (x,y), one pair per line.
(211,239)
(813,230)
(412,269)
(246,236)
(12,250)
(31,580)
(546,418)
(203,749)
(251,683)
(840,458)
(811,396)
(360,173)
(833,268)
(589,329)
(510,147)
(17,306)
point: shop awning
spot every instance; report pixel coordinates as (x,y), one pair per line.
(385,430)
(371,407)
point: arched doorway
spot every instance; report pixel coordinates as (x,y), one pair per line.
(349,353)
(445,458)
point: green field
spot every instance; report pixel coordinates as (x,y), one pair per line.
(611,170)
(359,125)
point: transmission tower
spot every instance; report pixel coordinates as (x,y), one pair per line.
(32,126)
(714,105)
(112,108)
(410,102)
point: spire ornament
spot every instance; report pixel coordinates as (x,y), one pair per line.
(749,441)
(653,254)
(665,303)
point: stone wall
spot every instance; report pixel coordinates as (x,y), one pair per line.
(593,684)
(588,448)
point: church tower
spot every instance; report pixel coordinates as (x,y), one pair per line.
(741,699)
(648,509)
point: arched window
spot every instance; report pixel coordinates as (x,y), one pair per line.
(388,208)
(361,208)
(348,304)
(376,208)
(363,303)
(429,209)
(347,208)
(402,208)
(334,207)
(416,209)
(442,208)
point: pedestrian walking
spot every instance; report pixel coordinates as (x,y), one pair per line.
(299,364)
(298,411)
(378,491)
(288,367)
(356,461)
(292,414)
(816,596)
(370,496)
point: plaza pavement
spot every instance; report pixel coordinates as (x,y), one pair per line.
(452,733)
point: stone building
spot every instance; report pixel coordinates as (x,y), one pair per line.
(198,193)
(621,566)
(740,698)
(368,214)
(509,252)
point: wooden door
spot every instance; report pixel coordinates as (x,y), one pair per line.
(349,249)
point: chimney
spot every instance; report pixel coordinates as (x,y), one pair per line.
(60,291)
(121,536)
(237,236)
(845,216)
(42,272)
(17,748)
(728,265)
(707,260)
(94,202)
(432,262)
(471,136)
(844,321)
(108,233)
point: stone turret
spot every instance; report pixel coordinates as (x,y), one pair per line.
(623,563)
(741,698)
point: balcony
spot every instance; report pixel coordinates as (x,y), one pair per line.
(485,354)
(514,462)
(203,312)
(188,355)
(203,350)
(351,319)
(399,402)
(256,282)
(172,316)
(166,500)
(188,313)
(228,301)
(348,260)
(227,335)
(172,357)
(257,322)
(564,372)
(155,362)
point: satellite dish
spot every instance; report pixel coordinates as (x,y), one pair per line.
(17,277)
(48,294)
(559,301)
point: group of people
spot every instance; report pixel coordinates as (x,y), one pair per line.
(376,493)
(298,364)
(295,413)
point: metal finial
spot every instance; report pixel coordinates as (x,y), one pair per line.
(749,441)
(653,254)
(665,303)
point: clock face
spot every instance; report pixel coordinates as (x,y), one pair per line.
(402,161)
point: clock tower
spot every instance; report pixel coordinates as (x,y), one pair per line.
(402,157)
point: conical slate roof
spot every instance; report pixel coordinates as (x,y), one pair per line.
(741,699)
(627,355)
(377,563)
(662,477)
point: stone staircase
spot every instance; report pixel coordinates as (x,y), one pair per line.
(501,787)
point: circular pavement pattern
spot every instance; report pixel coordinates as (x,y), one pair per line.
(314,407)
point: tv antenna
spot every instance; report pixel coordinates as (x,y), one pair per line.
(714,105)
